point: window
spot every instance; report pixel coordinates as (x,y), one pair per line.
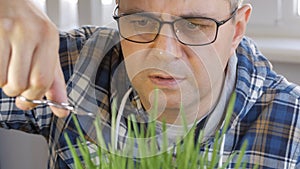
(68,11)
(68,14)
(298,7)
(275,25)
(276,18)
(63,13)
(107,2)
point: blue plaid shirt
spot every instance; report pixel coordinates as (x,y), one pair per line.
(266,111)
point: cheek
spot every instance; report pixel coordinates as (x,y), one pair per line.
(127,48)
(224,44)
(134,58)
(208,67)
(207,61)
(131,49)
(205,74)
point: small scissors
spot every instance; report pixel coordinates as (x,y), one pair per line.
(66,106)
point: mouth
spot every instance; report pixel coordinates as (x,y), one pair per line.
(164,80)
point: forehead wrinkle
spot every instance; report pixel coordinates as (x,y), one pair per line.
(148,6)
(180,8)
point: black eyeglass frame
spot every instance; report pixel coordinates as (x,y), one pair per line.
(161,23)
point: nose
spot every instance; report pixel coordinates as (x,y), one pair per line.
(167,43)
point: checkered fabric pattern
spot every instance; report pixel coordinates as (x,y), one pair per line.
(266,111)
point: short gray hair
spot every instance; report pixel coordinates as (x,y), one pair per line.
(235,3)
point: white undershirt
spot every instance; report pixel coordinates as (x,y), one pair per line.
(220,108)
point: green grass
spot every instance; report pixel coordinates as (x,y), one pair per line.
(187,154)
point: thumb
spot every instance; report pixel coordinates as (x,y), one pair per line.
(58,93)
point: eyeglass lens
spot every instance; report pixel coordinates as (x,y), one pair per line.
(143,28)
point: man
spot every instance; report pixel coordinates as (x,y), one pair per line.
(191,55)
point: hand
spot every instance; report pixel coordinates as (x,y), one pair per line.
(29,60)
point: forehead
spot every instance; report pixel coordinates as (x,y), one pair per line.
(210,8)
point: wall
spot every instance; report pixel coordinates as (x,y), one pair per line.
(25,151)
(290,70)
(277,34)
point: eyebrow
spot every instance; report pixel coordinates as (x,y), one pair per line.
(196,14)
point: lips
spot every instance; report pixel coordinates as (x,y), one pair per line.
(165,80)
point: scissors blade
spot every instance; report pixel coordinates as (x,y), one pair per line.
(83,113)
(66,106)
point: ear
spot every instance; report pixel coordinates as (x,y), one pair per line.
(240,25)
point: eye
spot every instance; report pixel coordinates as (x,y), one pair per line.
(198,24)
(141,22)
(191,25)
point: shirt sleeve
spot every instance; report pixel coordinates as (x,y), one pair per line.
(39,119)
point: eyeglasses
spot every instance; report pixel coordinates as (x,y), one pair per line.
(192,31)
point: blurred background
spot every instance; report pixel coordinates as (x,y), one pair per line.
(274,26)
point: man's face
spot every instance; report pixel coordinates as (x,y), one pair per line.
(180,76)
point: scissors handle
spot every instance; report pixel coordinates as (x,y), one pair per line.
(66,106)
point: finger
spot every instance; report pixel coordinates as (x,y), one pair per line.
(42,72)
(4,58)
(46,76)
(22,49)
(58,93)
